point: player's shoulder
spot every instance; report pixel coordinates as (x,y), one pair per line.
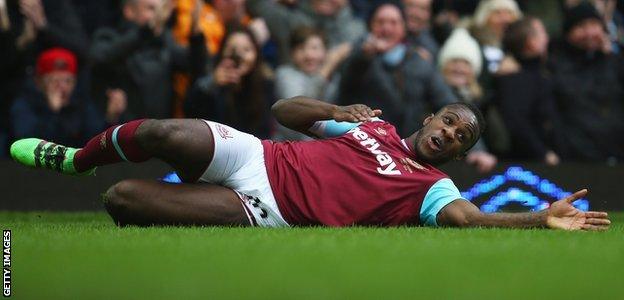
(439,173)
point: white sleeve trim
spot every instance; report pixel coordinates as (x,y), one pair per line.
(331,128)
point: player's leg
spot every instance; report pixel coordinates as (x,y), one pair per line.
(186,144)
(146,202)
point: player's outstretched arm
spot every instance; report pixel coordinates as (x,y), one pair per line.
(560,215)
(300,113)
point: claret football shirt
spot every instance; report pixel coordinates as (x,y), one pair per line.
(366,176)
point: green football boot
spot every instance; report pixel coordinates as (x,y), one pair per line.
(37,153)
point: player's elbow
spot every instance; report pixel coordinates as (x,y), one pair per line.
(472,219)
(282,106)
(277,107)
(467,220)
(286,113)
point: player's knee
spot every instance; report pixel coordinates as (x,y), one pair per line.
(117,201)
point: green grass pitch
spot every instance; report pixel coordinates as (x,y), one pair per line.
(84,256)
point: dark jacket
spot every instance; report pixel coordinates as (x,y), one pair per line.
(73,125)
(589,93)
(133,59)
(526,102)
(425,40)
(406,93)
(237,109)
(281,20)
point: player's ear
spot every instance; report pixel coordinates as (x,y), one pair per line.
(461,156)
(428,119)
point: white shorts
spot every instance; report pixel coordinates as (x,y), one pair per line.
(238,164)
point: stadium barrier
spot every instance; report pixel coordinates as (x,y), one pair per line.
(510,187)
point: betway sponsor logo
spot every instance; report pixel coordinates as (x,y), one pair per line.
(386,164)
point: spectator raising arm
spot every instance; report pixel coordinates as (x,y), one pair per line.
(56,24)
(110,46)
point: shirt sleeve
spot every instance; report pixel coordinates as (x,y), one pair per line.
(439,195)
(331,128)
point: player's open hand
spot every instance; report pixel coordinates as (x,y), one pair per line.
(562,215)
(355,113)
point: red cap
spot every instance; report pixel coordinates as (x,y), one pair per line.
(56,59)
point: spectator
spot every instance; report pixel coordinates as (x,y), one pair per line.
(460,63)
(526,97)
(614,21)
(490,20)
(333,17)
(139,58)
(488,26)
(53,109)
(588,87)
(239,92)
(310,74)
(417,16)
(213,18)
(383,73)
(28,27)
(53,23)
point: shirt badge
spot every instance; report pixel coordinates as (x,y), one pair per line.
(381,131)
(409,164)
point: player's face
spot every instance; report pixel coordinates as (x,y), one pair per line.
(447,135)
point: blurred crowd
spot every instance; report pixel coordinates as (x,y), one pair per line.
(548,75)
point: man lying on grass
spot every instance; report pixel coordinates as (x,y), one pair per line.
(362,174)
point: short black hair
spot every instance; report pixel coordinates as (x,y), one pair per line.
(579,13)
(475,111)
(516,35)
(373,11)
(301,34)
